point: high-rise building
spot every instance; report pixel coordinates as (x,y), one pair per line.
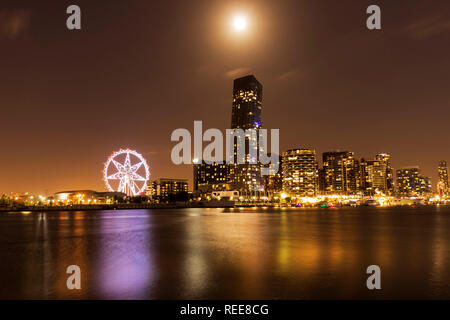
(340,173)
(246,114)
(425,186)
(407,181)
(247,103)
(376,176)
(211,177)
(411,183)
(373,176)
(300,172)
(386,158)
(443,184)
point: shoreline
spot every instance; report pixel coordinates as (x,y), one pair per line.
(119,206)
(178,206)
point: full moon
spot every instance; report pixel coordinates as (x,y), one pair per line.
(240,23)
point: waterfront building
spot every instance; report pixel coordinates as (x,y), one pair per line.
(300,172)
(407,180)
(340,173)
(247,103)
(167,188)
(386,159)
(411,183)
(376,176)
(443,183)
(211,177)
(372,176)
(172,186)
(150,190)
(87,196)
(425,186)
(246,114)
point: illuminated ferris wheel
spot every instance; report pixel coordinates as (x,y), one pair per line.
(126,171)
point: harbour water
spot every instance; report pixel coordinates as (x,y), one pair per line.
(251,253)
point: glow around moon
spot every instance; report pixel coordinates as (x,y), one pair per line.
(240,23)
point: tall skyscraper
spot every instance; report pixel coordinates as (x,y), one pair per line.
(386,158)
(373,176)
(340,173)
(443,184)
(300,172)
(246,114)
(247,103)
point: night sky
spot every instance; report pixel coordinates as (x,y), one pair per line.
(140,69)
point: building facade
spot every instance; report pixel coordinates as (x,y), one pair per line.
(88,196)
(386,159)
(151,190)
(411,183)
(211,177)
(376,176)
(443,183)
(166,189)
(247,103)
(425,186)
(340,173)
(300,172)
(246,114)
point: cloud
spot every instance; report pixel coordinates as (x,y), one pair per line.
(289,74)
(13,22)
(237,72)
(428,27)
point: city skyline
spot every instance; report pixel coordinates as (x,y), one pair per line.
(67,105)
(359,177)
(239,121)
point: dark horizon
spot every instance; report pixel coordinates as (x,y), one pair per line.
(136,71)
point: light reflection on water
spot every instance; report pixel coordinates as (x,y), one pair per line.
(250,253)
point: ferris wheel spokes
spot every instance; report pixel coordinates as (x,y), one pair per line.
(132,177)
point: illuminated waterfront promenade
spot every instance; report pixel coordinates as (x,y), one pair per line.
(225,204)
